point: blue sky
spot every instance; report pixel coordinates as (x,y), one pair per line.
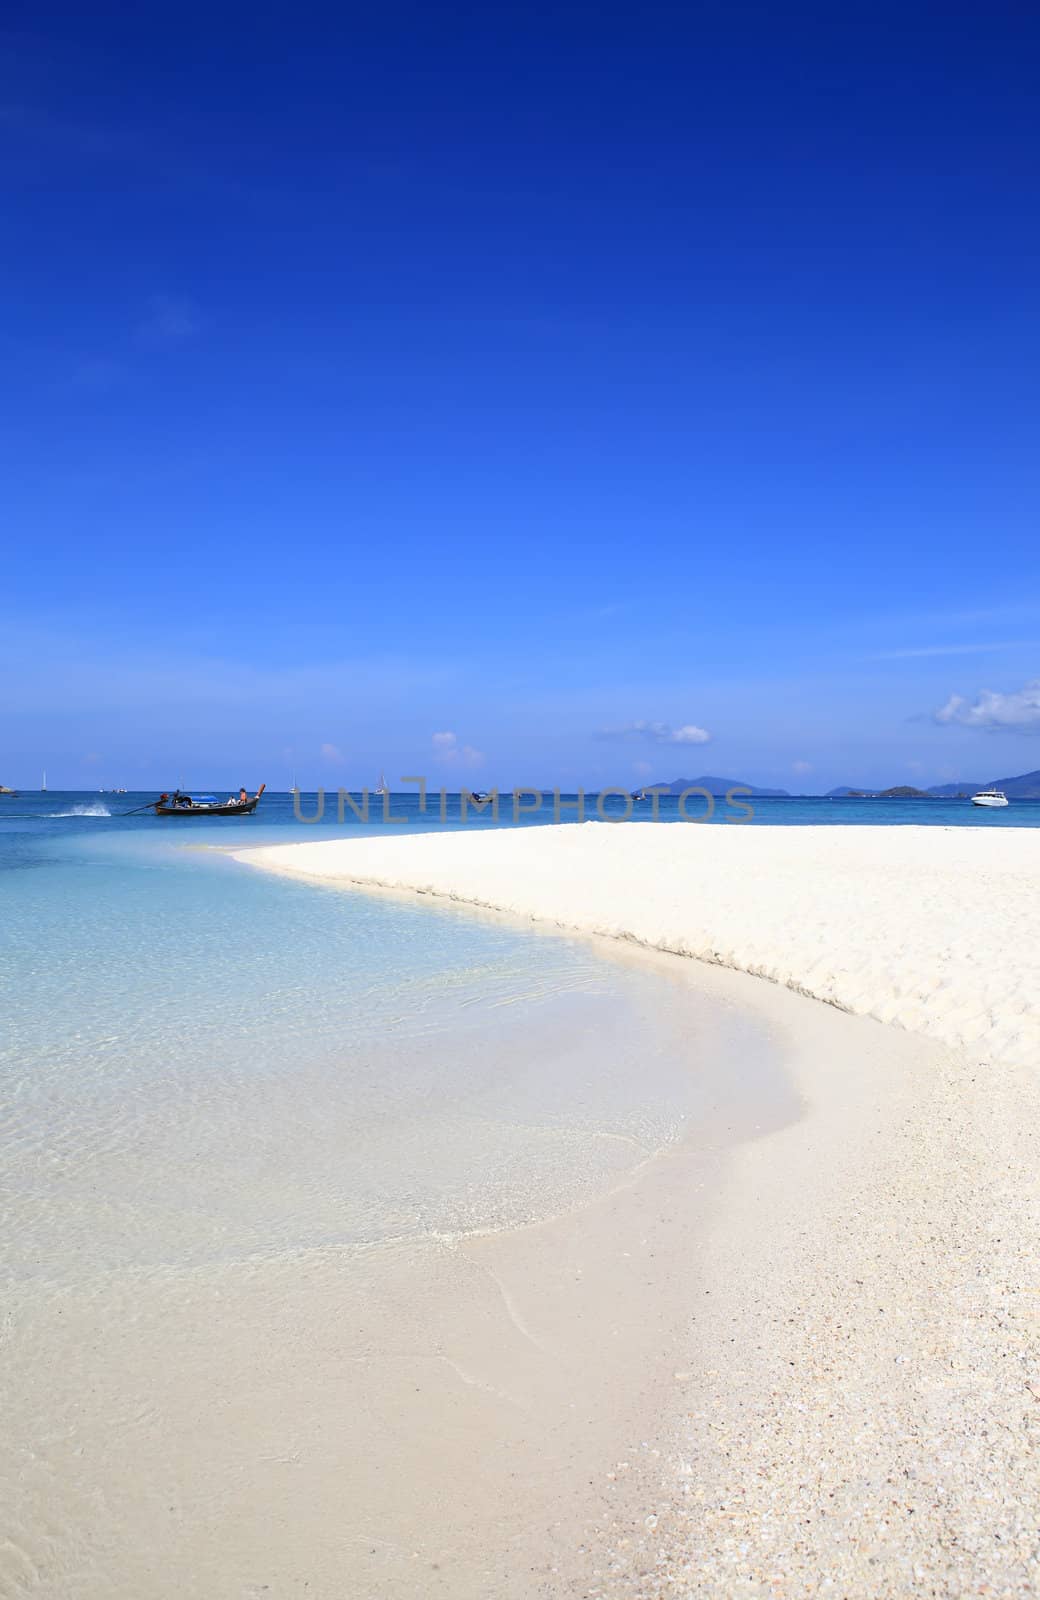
(569,380)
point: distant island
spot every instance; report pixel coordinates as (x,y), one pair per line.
(714,786)
(901,791)
(1024,787)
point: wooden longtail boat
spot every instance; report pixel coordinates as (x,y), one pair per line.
(180,804)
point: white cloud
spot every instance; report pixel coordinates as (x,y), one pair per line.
(333,753)
(657,733)
(448,750)
(1017,712)
(801,766)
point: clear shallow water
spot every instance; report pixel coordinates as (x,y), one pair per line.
(202,1063)
(248,1129)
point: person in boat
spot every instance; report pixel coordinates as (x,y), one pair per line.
(242,796)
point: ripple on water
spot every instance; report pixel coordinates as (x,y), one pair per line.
(204,1063)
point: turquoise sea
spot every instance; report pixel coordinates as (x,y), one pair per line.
(158,997)
(241,1114)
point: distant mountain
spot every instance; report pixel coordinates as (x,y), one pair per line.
(955,791)
(1025,787)
(717,786)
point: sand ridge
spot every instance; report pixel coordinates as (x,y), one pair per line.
(932,929)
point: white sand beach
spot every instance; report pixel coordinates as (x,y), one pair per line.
(853,1401)
(932,929)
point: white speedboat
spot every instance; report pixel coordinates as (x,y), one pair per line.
(989,797)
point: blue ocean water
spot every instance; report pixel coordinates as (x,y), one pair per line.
(318,814)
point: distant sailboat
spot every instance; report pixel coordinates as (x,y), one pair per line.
(383,788)
(43,785)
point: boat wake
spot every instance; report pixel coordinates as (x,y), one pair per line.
(94,810)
